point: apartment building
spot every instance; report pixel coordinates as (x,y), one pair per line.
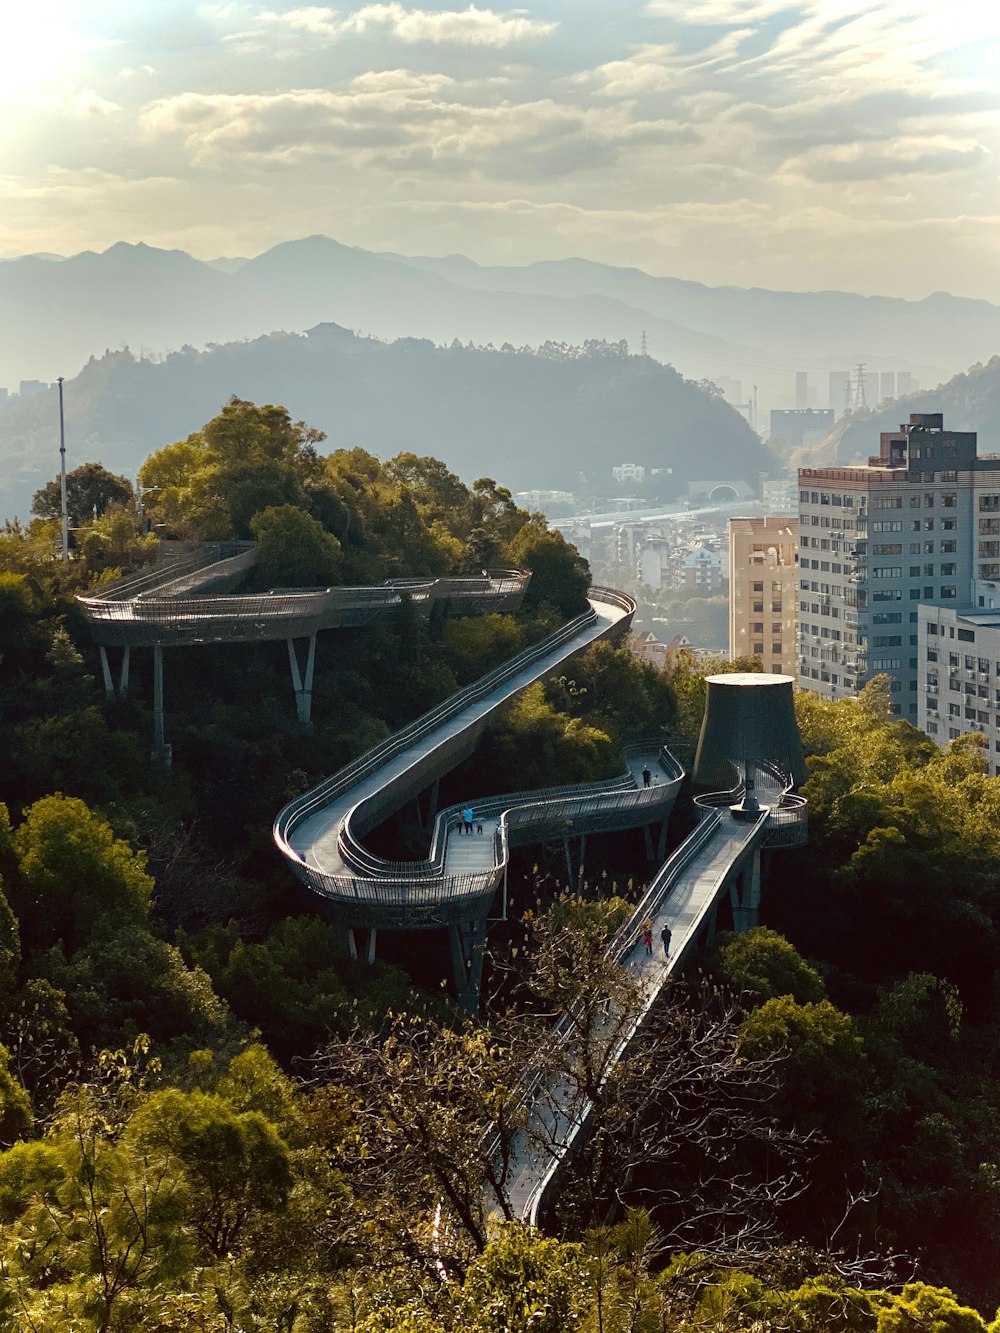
(876,541)
(958,689)
(764,591)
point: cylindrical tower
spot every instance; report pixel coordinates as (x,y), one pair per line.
(748,716)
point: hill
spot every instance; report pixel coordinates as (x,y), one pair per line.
(533,419)
(969,401)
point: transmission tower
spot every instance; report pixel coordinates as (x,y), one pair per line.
(859,386)
(645,350)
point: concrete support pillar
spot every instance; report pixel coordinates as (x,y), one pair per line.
(352,944)
(710,929)
(432,801)
(647,834)
(109,684)
(161,750)
(661,847)
(744,895)
(468,941)
(302,684)
(371,944)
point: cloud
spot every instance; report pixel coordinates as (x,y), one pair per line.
(402,119)
(73,102)
(721,13)
(466,27)
(858,162)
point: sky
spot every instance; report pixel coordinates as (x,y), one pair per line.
(820,144)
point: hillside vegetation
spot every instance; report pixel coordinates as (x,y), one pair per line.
(212,1119)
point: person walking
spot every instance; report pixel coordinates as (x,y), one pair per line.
(468,816)
(646,776)
(666,937)
(647,941)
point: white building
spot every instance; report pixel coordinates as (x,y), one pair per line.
(626,472)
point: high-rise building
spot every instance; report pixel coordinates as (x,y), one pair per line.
(876,541)
(801,389)
(797,426)
(764,592)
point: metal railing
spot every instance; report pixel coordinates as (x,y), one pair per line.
(143,610)
(417,889)
(569,809)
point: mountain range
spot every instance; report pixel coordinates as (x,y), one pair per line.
(57,313)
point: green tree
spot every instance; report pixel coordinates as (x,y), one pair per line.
(93,1227)
(90,490)
(476,643)
(559,574)
(763,964)
(613,690)
(929,1310)
(294,551)
(15,1105)
(823,1065)
(236,1164)
(524,1282)
(71,871)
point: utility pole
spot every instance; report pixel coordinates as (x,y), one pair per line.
(62,475)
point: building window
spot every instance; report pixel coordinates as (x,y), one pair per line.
(758,648)
(989,504)
(947,593)
(756,587)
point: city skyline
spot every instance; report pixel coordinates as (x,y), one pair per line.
(827,144)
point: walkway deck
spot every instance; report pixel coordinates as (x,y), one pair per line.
(558,1111)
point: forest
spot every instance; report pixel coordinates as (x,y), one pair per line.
(212,1118)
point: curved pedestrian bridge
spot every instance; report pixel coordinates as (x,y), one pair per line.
(184,600)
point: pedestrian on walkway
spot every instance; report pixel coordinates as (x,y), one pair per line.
(646,776)
(647,941)
(468,816)
(665,937)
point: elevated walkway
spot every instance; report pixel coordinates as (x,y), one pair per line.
(321,833)
(720,858)
(181,602)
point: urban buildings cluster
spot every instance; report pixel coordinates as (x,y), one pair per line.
(898,573)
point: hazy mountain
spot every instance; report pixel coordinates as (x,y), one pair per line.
(528,420)
(57,314)
(969,401)
(806,329)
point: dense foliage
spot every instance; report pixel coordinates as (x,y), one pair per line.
(211,1118)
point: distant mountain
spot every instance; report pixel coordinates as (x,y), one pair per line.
(821,330)
(58,314)
(529,420)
